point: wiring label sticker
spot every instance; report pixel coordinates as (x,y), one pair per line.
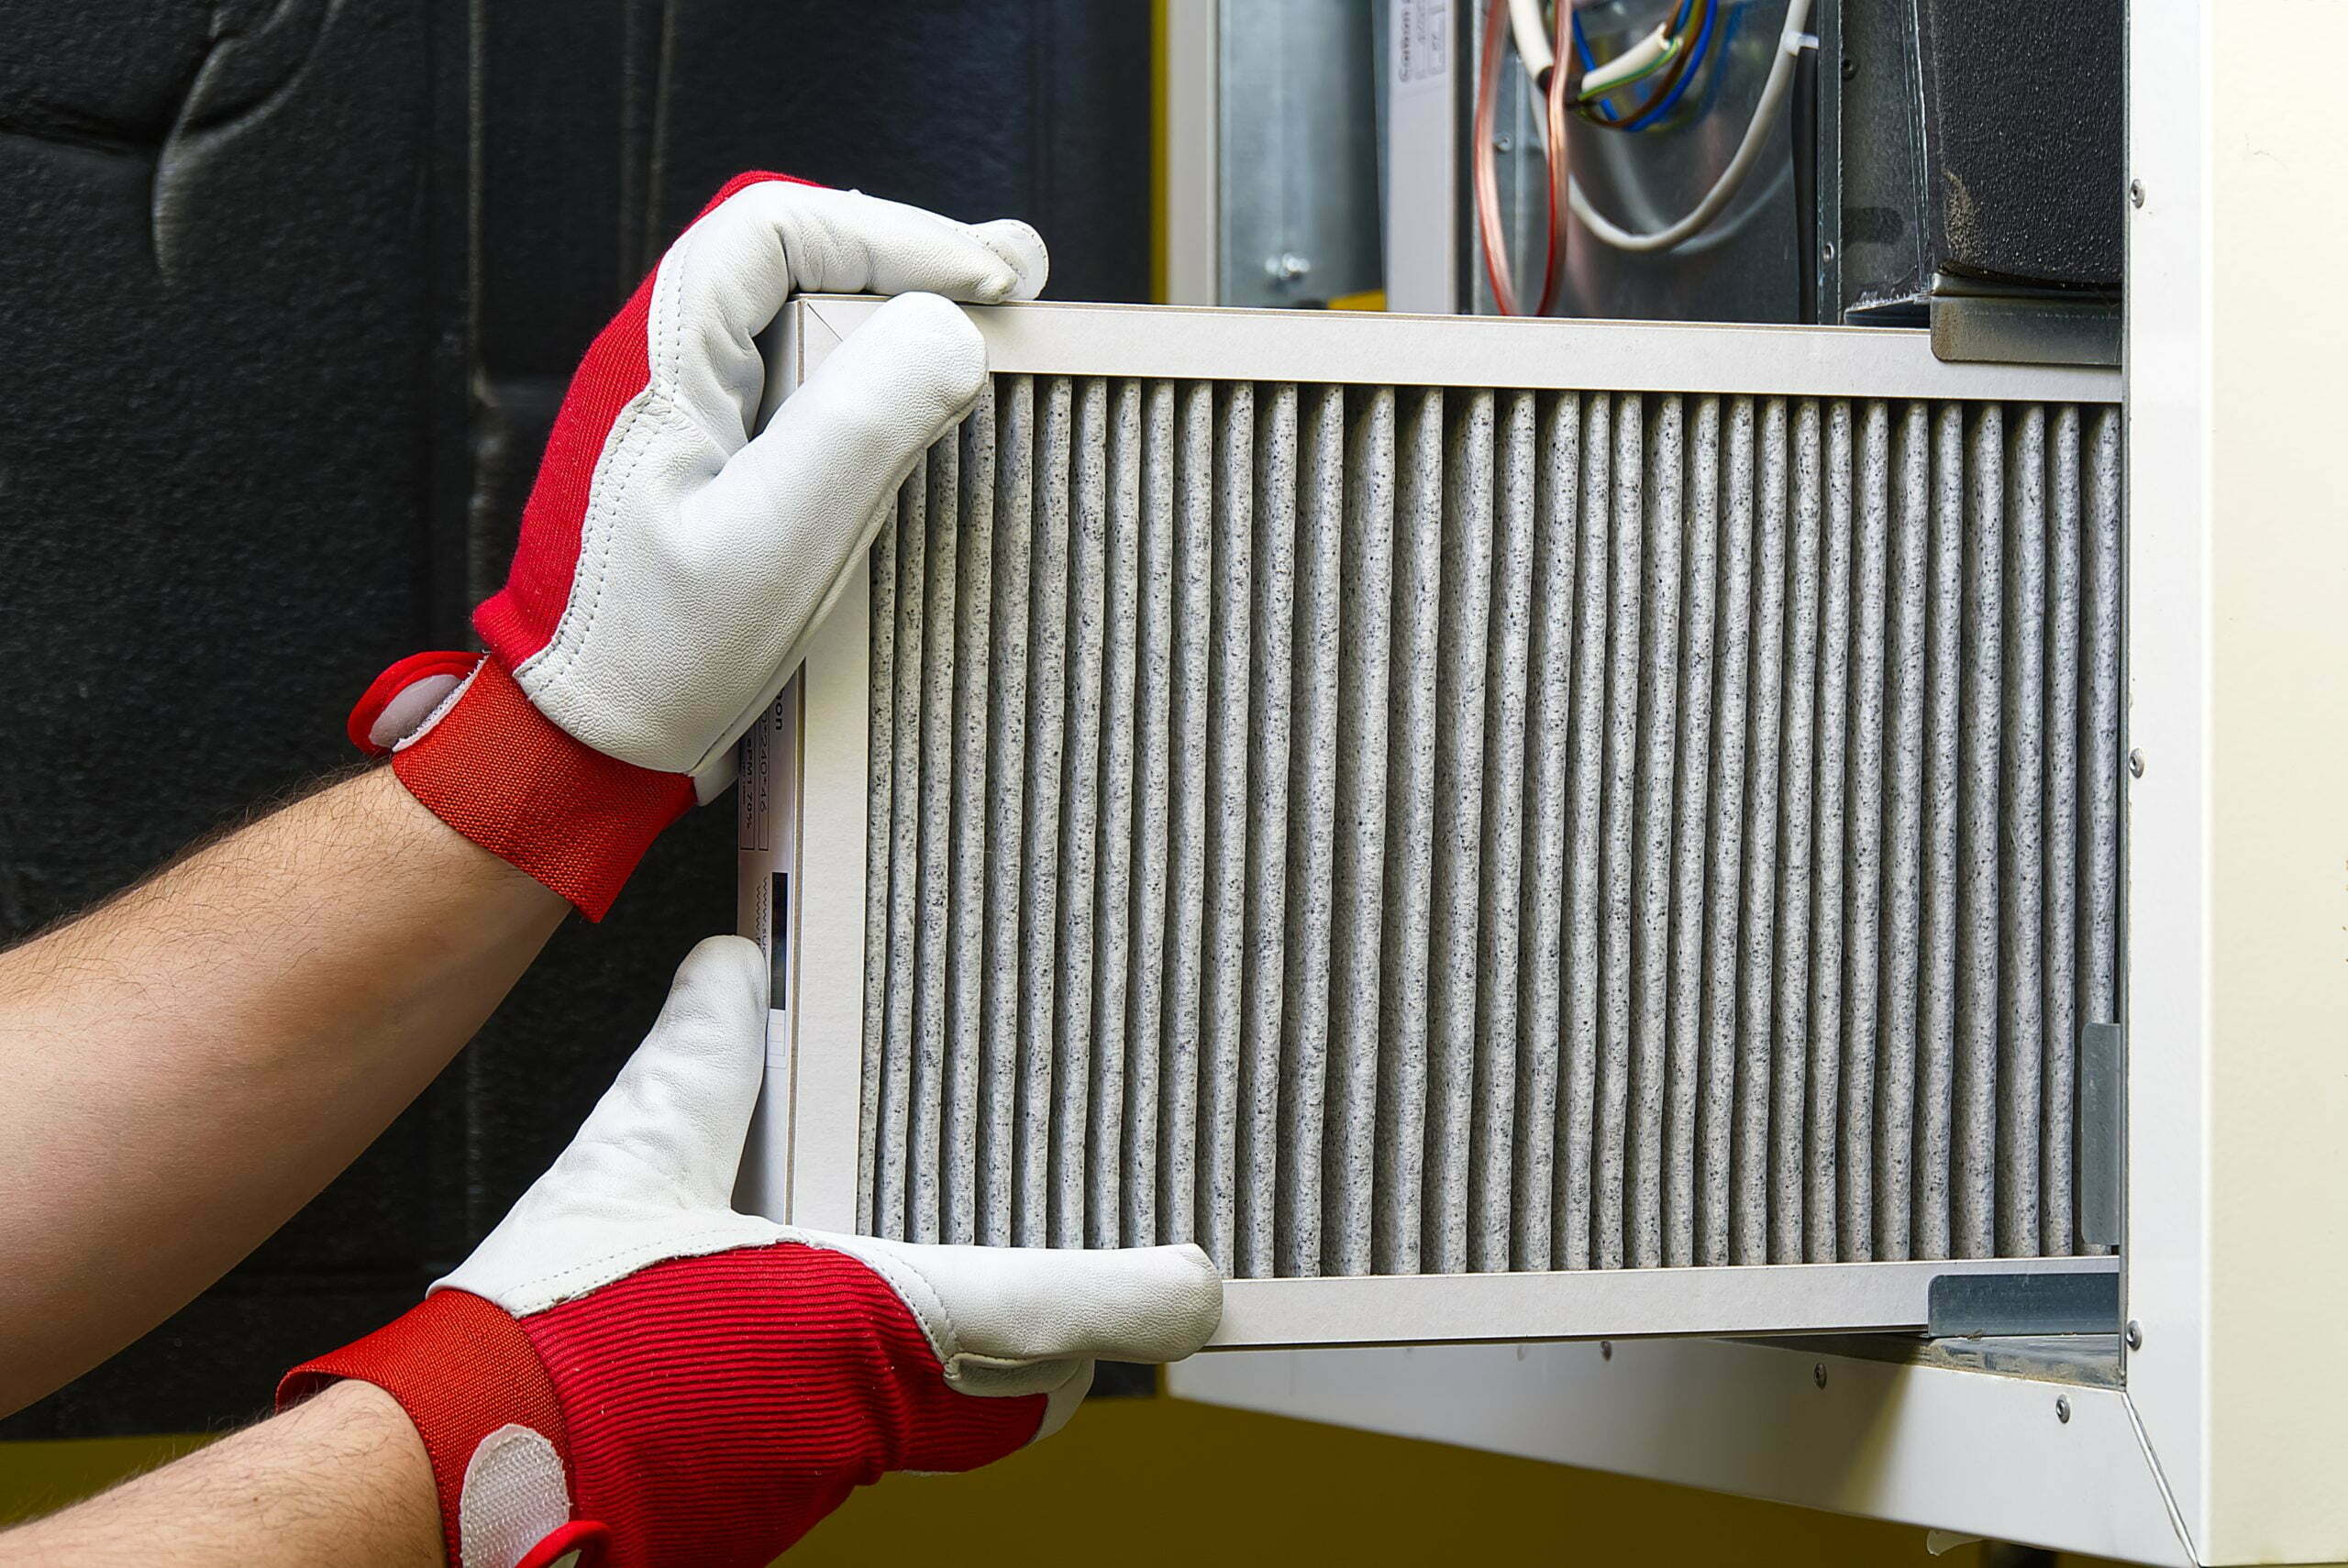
(1421,41)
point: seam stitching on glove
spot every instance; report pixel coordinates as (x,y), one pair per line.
(946,1343)
(595,530)
(664,1250)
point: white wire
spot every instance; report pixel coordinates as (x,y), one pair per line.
(1748,152)
(1532,37)
(1629,63)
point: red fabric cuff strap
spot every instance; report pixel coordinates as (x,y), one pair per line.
(504,775)
(460,1368)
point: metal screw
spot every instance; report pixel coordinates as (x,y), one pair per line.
(1503,144)
(1287,267)
(2136,762)
(1850,68)
(1826,251)
(2135,1335)
(1606,1350)
(2063,1408)
(1818,1374)
(2136,193)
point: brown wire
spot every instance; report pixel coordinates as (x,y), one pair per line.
(1671,73)
(1564,80)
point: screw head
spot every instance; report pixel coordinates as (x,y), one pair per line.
(1850,68)
(2063,1408)
(2136,762)
(1818,1374)
(1606,1350)
(1503,144)
(2136,193)
(1286,267)
(2135,1335)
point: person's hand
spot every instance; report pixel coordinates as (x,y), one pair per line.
(629,1370)
(672,564)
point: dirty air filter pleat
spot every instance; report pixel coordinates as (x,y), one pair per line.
(1493,1102)
(1101,1178)
(1078,949)
(1541,1019)
(932,887)
(1263,966)
(1464,569)
(1039,872)
(1577,1167)
(1005,753)
(1692,707)
(902,982)
(1415,831)
(961,1123)
(1302,1089)
(1230,642)
(1732,673)
(1357,904)
(1134,1179)
(1185,991)
(1862,931)
(1403,1034)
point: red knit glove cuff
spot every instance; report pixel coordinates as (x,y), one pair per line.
(504,775)
(462,1369)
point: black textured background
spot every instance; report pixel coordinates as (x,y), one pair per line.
(289,289)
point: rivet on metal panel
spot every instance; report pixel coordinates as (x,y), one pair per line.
(2136,762)
(2136,193)
(2135,1335)
(1606,1350)
(1818,1374)
(2063,1408)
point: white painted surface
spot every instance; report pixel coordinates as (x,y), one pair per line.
(1926,1446)
(1363,348)
(2275,1471)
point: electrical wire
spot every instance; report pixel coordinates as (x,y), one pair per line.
(1790,43)
(1693,20)
(1486,172)
(1641,60)
(1564,85)
(1556,90)
(1672,91)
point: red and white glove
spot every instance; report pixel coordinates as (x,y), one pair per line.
(672,565)
(629,1372)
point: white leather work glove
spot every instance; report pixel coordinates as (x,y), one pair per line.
(629,1372)
(673,563)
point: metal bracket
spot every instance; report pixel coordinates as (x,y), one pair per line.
(2033,328)
(1972,1306)
(2101,1147)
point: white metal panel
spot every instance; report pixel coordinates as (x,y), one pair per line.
(1366,348)
(1193,194)
(2277,807)
(1423,72)
(1785,1299)
(2167,847)
(1931,1446)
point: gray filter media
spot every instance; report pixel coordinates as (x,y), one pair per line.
(1392,830)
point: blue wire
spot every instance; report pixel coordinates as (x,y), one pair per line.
(1589,62)
(1695,63)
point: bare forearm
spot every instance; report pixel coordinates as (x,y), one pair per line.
(190,1064)
(340,1479)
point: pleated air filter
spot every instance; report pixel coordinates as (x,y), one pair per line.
(1547,803)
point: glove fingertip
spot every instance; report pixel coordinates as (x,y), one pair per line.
(1021,249)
